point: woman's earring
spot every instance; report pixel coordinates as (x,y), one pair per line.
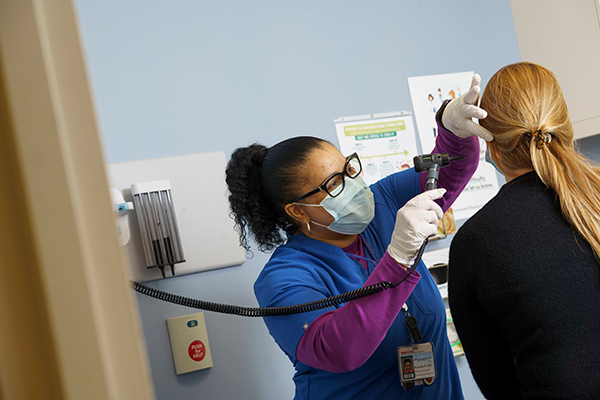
(308,226)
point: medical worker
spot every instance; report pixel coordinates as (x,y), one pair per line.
(331,233)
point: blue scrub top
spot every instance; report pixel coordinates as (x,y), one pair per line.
(304,270)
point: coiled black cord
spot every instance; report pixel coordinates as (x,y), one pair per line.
(277,311)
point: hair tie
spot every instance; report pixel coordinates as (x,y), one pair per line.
(259,155)
(542,139)
(263,154)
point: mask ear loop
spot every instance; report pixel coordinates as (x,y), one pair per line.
(308,222)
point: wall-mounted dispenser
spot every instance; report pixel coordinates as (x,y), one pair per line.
(155,212)
(199,193)
(121,208)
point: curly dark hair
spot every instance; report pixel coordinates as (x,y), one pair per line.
(261,182)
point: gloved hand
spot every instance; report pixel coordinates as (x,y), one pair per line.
(417,220)
(456,117)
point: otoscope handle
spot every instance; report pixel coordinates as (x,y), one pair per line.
(432,177)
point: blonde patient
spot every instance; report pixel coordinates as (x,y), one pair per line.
(524,272)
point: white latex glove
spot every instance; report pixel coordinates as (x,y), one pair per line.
(417,220)
(457,115)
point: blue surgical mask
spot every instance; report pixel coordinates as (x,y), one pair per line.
(352,210)
(488,158)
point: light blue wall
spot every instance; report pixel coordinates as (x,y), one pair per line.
(181,77)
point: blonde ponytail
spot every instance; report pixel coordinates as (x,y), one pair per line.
(528,116)
(577,184)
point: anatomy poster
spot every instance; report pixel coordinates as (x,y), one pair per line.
(385,143)
(427,94)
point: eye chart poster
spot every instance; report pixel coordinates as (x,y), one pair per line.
(385,143)
(427,94)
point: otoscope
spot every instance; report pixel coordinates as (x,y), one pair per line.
(432,164)
(426,162)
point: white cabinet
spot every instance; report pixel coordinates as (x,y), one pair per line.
(564,36)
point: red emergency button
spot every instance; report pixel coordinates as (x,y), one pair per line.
(197,351)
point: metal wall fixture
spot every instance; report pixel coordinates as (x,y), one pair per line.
(155,212)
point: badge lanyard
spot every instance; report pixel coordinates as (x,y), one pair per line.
(410,321)
(369,250)
(412,325)
(416,361)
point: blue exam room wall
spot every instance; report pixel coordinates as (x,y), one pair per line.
(183,77)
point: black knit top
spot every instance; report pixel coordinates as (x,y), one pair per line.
(524,292)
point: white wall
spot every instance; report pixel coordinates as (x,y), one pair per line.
(564,36)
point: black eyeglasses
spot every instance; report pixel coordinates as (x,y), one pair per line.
(334,185)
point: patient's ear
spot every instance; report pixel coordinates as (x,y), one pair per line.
(496,156)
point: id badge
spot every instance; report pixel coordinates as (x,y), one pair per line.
(417,365)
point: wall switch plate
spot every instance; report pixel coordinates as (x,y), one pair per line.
(189,343)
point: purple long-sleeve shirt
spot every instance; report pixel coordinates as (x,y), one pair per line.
(344,339)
